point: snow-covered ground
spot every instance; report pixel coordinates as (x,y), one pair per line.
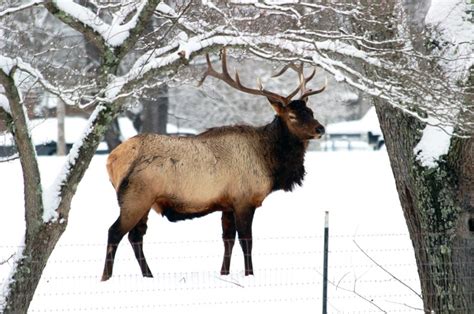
(357,188)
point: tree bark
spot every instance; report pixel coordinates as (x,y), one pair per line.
(31,177)
(438,206)
(24,281)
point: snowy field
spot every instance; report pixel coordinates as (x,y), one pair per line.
(357,188)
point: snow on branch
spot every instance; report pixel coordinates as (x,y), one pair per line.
(52,196)
(187,46)
(396,91)
(8,64)
(20,7)
(114,34)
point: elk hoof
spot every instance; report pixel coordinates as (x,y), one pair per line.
(224,272)
(105,277)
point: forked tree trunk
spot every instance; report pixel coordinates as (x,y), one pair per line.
(41,238)
(438,205)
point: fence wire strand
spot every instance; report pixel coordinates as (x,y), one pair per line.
(288,271)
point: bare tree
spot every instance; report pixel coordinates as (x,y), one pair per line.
(370,46)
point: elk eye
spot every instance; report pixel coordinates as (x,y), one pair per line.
(292,117)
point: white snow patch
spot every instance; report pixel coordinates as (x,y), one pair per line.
(185,257)
(6,64)
(51,201)
(4,103)
(433,144)
(165,9)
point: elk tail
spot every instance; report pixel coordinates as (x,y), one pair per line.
(120,161)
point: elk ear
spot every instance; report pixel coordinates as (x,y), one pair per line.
(277,106)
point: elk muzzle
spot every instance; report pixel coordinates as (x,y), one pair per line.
(320,130)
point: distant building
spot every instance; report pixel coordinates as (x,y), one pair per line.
(363,134)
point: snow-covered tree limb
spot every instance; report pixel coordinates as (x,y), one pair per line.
(20,7)
(7,64)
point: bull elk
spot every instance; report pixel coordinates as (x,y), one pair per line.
(230,169)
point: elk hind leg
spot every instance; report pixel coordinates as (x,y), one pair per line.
(135,236)
(115,235)
(228,236)
(130,216)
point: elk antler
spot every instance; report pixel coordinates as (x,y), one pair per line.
(271,96)
(305,93)
(225,76)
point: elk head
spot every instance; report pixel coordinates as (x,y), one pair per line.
(296,115)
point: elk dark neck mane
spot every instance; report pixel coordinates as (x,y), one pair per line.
(284,153)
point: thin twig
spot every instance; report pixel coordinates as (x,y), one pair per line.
(9,158)
(356,293)
(385,270)
(8,259)
(340,280)
(407,305)
(174,23)
(230,281)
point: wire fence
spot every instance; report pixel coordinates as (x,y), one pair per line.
(367,274)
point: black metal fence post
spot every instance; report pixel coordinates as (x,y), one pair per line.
(325,263)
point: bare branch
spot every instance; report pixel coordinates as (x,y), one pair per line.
(7,260)
(89,33)
(354,291)
(10,158)
(385,270)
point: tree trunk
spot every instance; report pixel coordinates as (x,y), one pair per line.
(24,282)
(112,135)
(61,116)
(30,267)
(438,204)
(41,238)
(154,116)
(26,150)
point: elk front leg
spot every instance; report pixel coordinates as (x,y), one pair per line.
(228,236)
(243,222)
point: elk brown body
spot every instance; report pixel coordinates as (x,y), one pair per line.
(229,169)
